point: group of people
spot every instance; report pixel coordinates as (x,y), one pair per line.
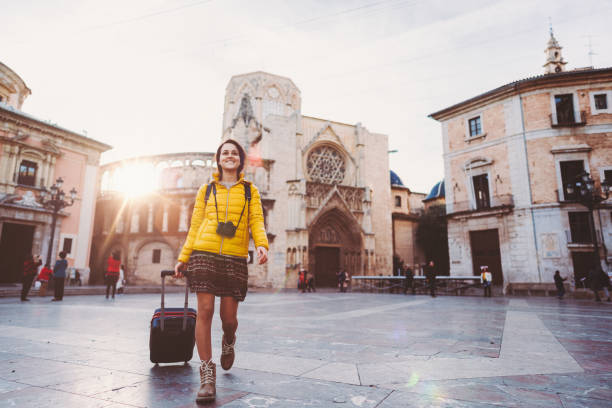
(31,274)
(430,276)
(306,281)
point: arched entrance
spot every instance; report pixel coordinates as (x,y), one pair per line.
(335,243)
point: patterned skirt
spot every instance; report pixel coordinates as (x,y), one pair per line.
(220,275)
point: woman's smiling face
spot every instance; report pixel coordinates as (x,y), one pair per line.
(229,158)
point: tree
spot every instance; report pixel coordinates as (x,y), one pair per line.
(432,236)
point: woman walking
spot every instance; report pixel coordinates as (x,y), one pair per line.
(111,276)
(215,256)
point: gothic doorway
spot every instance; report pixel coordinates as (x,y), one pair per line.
(15,245)
(327,261)
(485,251)
(335,243)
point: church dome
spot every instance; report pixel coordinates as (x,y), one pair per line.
(13,90)
(436,192)
(395,180)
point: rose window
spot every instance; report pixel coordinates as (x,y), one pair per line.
(325,165)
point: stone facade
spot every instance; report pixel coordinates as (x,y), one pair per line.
(147,226)
(407,208)
(324,188)
(506,155)
(33,153)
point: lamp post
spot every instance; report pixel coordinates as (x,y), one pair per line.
(54,200)
(583,188)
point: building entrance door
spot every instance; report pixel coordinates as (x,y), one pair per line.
(15,245)
(485,251)
(327,262)
(583,263)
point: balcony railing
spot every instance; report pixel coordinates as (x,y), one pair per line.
(581,237)
(496,202)
(568,123)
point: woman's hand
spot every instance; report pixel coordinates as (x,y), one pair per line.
(262,255)
(178,270)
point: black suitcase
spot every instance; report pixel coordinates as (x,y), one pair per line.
(172,335)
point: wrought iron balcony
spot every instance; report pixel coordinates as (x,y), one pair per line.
(568,122)
(496,203)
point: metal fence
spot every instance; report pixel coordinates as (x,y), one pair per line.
(449,285)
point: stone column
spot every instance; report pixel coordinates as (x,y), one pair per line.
(150,218)
(135,222)
(183,227)
(165,218)
(360,144)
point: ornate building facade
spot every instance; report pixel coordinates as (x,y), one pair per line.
(324,187)
(33,153)
(509,156)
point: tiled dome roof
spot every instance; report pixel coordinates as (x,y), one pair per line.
(436,192)
(395,180)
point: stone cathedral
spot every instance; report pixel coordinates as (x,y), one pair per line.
(324,186)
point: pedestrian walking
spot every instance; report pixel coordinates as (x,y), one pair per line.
(310,280)
(302,281)
(43,276)
(215,256)
(559,284)
(113,268)
(605,283)
(121,280)
(342,280)
(30,270)
(599,280)
(486,278)
(430,274)
(59,277)
(408,280)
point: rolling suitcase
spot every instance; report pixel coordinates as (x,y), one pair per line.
(172,335)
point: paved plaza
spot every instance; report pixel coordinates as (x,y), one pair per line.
(316,350)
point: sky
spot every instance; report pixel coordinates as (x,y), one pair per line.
(149,76)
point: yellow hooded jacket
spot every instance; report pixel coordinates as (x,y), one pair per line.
(202,234)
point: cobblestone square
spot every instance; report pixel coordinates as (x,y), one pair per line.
(317,350)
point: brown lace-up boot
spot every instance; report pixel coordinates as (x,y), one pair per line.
(208,376)
(227,353)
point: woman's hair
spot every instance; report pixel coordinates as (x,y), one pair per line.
(62,255)
(241,153)
(116,256)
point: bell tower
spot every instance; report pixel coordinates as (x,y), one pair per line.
(554,60)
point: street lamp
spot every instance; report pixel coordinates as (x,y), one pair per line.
(53,199)
(583,189)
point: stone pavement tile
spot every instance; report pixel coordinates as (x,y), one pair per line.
(36,397)
(517,391)
(283,387)
(275,363)
(338,372)
(26,368)
(265,401)
(7,386)
(399,399)
(488,393)
(570,401)
(161,393)
(100,383)
(593,356)
(68,373)
(4,355)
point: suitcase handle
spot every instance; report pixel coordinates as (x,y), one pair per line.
(163,292)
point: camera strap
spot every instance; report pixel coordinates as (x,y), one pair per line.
(247,198)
